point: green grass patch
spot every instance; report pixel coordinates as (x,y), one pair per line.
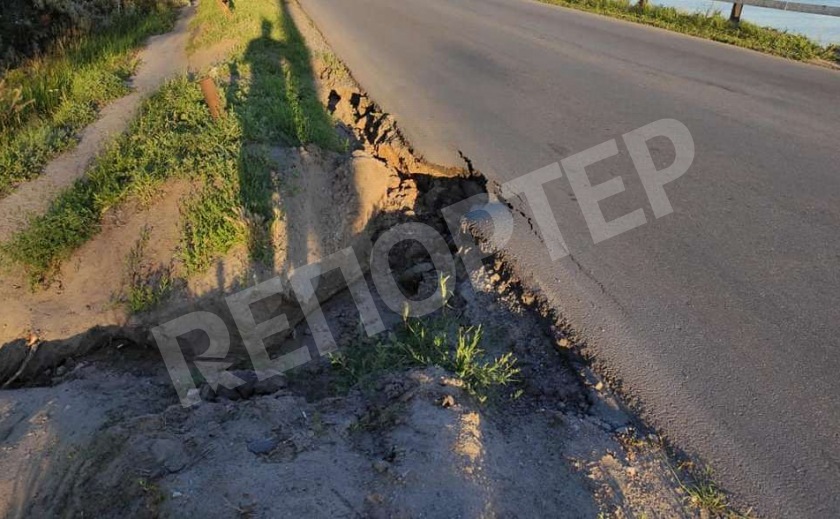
(211,25)
(269,100)
(269,91)
(711,26)
(147,285)
(437,341)
(45,102)
(430,342)
(273,93)
(173,136)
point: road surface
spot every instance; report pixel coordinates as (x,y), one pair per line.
(722,318)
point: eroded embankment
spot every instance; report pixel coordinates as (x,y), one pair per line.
(370,189)
(407,443)
(400,444)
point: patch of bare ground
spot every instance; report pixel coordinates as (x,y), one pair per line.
(414,441)
(87,296)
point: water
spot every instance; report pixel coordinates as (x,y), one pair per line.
(824,29)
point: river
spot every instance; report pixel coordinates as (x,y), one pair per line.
(824,29)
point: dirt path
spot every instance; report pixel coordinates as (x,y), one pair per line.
(163,57)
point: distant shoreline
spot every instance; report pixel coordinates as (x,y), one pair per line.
(822,29)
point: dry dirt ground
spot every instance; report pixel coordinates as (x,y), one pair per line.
(91,425)
(107,437)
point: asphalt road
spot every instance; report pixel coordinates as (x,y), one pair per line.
(722,318)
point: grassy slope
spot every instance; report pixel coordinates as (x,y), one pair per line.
(712,26)
(44,103)
(270,101)
(270,93)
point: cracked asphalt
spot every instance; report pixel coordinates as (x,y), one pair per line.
(722,318)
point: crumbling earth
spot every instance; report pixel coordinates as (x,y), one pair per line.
(93,426)
(109,438)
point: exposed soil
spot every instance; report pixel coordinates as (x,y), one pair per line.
(94,427)
(415,444)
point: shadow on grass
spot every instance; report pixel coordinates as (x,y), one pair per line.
(278,108)
(274,106)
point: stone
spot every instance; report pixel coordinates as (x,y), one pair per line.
(610,411)
(193,396)
(624,431)
(270,384)
(230,394)
(246,390)
(170,454)
(263,446)
(207,394)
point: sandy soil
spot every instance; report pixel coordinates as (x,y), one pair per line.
(413,445)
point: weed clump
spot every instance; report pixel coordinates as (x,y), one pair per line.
(147,286)
(438,341)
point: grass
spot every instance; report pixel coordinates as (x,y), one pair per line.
(705,495)
(269,100)
(711,26)
(702,493)
(147,285)
(438,341)
(430,342)
(271,95)
(173,136)
(210,25)
(45,102)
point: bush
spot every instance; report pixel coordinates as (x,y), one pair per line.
(34,27)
